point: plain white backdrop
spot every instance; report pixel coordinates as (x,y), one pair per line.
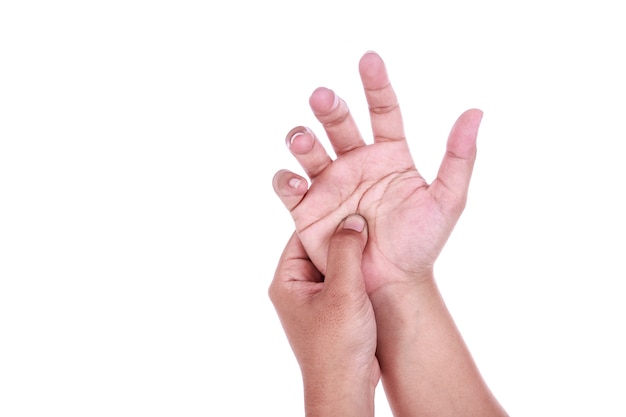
(139,230)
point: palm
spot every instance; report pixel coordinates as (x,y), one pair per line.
(408,219)
(380,182)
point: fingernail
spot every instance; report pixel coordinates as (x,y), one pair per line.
(293,137)
(294,133)
(354,222)
(294,182)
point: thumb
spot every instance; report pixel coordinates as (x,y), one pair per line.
(345,252)
(457,165)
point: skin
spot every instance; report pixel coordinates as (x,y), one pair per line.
(426,367)
(329,322)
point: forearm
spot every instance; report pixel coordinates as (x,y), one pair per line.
(426,367)
(332,393)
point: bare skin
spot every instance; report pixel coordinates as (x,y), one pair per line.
(329,322)
(409,219)
(426,367)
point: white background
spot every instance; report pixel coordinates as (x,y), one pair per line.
(139,230)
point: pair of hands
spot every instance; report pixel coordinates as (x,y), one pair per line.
(354,288)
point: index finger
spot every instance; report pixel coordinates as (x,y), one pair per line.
(294,266)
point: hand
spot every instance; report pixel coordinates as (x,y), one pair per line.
(409,220)
(426,367)
(329,322)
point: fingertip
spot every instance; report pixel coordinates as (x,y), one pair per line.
(276,179)
(373,72)
(354,222)
(290,183)
(369,58)
(323,101)
(300,140)
(286,184)
(356,226)
(467,125)
(372,65)
(471,117)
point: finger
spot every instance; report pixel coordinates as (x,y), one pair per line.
(345,252)
(385,114)
(294,250)
(289,187)
(308,150)
(337,120)
(455,171)
(294,265)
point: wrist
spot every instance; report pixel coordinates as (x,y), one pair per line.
(401,307)
(340,392)
(402,298)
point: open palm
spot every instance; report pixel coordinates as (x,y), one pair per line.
(409,220)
